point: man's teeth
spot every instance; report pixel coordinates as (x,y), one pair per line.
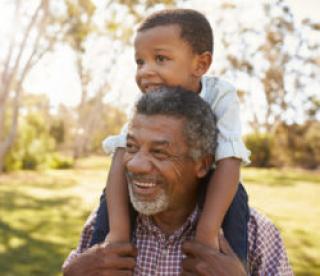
(145,184)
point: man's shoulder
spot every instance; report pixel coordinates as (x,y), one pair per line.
(267,253)
(260,228)
(259,219)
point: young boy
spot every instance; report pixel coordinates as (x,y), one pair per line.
(174,48)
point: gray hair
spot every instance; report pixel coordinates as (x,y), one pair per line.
(200,127)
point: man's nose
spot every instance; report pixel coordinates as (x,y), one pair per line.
(139,163)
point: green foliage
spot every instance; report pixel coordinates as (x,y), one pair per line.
(298,145)
(57,131)
(290,145)
(260,146)
(59,161)
(32,145)
(35,145)
(80,25)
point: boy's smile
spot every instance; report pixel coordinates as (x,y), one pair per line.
(164,58)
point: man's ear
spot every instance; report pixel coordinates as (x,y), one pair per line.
(203,165)
(203,63)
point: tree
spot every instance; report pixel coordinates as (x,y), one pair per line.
(35,26)
(272,55)
(116,33)
(33,143)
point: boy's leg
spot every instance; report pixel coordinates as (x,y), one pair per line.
(235,224)
(101,227)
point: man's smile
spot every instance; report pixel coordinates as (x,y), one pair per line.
(145,187)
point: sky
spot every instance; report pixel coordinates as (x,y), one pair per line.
(56,77)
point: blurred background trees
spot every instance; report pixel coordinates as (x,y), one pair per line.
(274,61)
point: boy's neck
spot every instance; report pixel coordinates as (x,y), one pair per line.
(197,86)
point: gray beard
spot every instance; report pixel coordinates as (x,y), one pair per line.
(148,208)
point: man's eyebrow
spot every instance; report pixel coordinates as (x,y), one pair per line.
(161,143)
(154,142)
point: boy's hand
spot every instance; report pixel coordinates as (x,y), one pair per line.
(100,260)
(205,261)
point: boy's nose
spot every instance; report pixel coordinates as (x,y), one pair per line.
(139,164)
(146,70)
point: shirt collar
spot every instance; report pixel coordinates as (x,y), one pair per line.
(145,223)
(203,87)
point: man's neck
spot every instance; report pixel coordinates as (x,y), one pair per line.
(171,220)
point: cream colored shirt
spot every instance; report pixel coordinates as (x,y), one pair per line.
(224,102)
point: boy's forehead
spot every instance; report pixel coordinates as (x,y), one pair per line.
(160,31)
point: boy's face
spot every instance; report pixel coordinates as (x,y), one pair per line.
(164,58)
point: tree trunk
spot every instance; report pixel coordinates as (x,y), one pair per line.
(14,76)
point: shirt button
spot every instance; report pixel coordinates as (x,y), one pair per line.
(165,252)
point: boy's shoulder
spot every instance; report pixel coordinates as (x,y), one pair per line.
(217,84)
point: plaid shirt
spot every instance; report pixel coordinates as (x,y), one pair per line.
(161,255)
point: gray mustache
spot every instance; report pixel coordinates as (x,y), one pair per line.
(143,178)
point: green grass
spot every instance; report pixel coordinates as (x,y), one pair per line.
(291,199)
(42,213)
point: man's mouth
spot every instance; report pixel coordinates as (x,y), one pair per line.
(144,184)
(146,189)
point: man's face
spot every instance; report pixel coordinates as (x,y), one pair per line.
(164,59)
(161,175)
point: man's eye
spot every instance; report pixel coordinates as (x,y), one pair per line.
(161,58)
(160,154)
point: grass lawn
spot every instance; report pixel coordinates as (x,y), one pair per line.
(42,213)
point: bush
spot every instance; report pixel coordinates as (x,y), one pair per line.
(32,145)
(58,161)
(260,146)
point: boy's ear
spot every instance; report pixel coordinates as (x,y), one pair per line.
(203,63)
(203,165)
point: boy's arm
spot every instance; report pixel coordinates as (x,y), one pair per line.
(117,200)
(221,190)
(230,151)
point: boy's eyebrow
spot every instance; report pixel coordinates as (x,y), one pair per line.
(161,49)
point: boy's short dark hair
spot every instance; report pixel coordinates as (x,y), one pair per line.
(195,28)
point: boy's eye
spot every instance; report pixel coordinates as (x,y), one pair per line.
(139,62)
(161,58)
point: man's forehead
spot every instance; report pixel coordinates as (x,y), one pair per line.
(165,127)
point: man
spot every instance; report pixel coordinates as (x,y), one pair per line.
(168,155)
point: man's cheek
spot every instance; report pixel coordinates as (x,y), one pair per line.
(172,171)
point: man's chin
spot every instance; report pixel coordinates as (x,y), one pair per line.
(159,204)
